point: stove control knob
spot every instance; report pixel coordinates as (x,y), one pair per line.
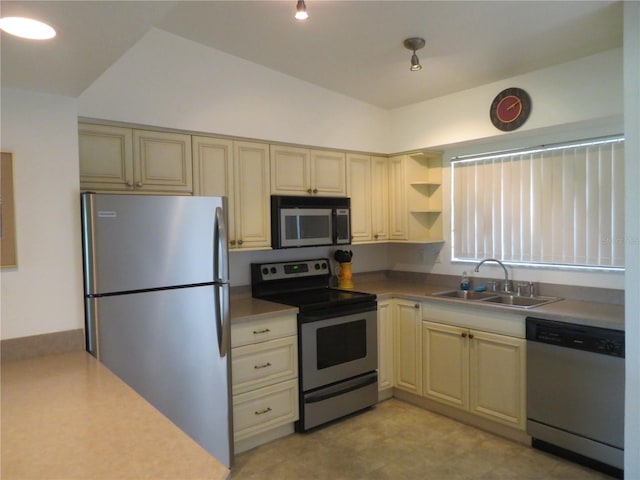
(273,270)
(324,265)
(265,270)
(317,266)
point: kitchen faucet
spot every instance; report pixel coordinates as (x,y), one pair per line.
(505,287)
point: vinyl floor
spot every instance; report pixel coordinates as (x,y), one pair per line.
(396,440)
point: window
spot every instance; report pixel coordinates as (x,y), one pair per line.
(560,205)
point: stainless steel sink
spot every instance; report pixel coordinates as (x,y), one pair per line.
(495,298)
(522,302)
(465,295)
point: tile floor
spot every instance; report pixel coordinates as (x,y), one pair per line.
(399,441)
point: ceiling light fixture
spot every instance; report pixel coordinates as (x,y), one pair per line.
(301,11)
(27,28)
(414,44)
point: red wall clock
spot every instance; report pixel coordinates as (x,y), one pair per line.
(510,109)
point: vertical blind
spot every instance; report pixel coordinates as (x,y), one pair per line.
(556,205)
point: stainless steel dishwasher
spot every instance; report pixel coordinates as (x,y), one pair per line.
(575,392)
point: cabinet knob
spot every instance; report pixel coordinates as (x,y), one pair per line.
(232,242)
(375,236)
(309,190)
(464,334)
(129,183)
(138,184)
(417,305)
(239,242)
(315,190)
(471,335)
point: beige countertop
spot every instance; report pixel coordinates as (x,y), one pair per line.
(68,417)
(571,311)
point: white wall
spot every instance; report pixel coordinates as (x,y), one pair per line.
(588,89)
(166,80)
(44,293)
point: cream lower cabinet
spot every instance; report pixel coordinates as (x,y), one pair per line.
(385,349)
(239,171)
(480,372)
(407,346)
(132,160)
(264,372)
(368,189)
(300,171)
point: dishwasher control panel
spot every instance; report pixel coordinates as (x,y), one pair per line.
(581,337)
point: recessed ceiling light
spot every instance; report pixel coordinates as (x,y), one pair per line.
(27,28)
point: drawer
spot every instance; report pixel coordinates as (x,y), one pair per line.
(265,408)
(262,329)
(262,364)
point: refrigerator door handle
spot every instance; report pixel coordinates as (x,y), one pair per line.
(220,255)
(223,325)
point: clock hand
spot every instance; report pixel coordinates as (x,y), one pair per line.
(513,105)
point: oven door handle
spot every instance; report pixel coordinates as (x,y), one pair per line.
(370,379)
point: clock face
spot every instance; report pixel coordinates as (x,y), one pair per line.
(510,109)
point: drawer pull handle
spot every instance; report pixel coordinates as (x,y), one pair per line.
(258,332)
(262,412)
(264,365)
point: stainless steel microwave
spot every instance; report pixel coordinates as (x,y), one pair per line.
(310,221)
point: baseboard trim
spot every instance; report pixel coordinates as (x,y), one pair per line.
(22,348)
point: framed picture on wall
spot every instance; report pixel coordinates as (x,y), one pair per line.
(7,213)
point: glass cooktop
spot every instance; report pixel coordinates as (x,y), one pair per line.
(319,298)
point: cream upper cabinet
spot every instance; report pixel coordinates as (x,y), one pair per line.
(385,348)
(415,197)
(380,198)
(359,189)
(300,171)
(106,157)
(398,210)
(124,159)
(368,187)
(240,172)
(407,346)
(480,372)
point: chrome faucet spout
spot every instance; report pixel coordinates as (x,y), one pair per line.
(505,287)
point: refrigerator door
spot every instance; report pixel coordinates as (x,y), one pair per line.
(137,242)
(164,344)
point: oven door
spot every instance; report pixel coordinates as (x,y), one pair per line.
(338,346)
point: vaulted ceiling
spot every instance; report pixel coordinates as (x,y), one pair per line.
(350,47)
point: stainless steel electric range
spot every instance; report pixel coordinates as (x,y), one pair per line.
(337,338)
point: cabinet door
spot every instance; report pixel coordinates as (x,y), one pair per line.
(379,198)
(290,171)
(213,171)
(251,196)
(328,173)
(106,157)
(497,376)
(408,346)
(385,346)
(398,209)
(359,190)
(162,161)
(446,364)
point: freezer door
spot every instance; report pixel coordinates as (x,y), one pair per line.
(136,242)
(164,344)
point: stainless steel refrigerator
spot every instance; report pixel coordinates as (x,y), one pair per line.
(157,305)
